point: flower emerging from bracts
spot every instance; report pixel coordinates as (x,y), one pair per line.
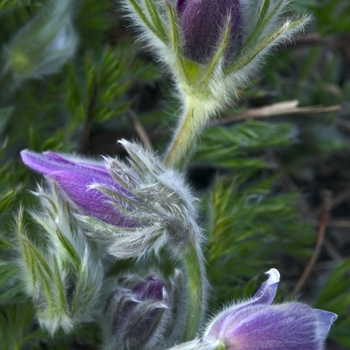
(212,47)
(135,206)
(142,313)
(256,324)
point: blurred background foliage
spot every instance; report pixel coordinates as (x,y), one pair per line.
(260,173)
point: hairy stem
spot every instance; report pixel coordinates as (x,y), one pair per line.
(197,283)
(191,125)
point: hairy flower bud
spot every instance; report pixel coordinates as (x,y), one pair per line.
(139,314)
(136,207)
(202,26)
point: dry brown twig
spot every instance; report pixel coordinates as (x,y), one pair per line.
(140,130)
(276,109)
(326,205)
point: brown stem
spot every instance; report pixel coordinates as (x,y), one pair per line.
(326,205)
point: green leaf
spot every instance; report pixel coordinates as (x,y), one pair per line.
(230,147)
(250,224)
(251,53)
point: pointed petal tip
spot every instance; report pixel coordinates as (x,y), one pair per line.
(274,276)
(325,320)
(35,161)
(25,153)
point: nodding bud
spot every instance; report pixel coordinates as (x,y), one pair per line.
(136,207)
(202,26)
(138,316)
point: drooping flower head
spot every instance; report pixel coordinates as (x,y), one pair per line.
(136,206)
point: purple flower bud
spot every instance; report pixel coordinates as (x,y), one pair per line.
(137,317)
(76,178)
(151,288)
(202,25)
(256,324)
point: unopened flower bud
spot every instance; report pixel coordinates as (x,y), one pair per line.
(137,317)
(136,207)
(202,26)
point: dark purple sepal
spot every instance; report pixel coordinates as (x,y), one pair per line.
(202,24)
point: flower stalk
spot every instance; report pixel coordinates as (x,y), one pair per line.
(197,283)
(190,126)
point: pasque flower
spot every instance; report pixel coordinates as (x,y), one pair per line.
(256,324)
(136,206)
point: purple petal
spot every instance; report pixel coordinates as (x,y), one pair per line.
(267,290)
(89,164)
(325,320)
(291,326)
(202,23)
(264,296)
(76,185)
(75,178)
(152,288)
(50,162)
(180,6)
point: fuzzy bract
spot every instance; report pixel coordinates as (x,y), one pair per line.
(140,313)
(60,272)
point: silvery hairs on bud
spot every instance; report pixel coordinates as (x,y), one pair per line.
(160,204)
(142,313)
